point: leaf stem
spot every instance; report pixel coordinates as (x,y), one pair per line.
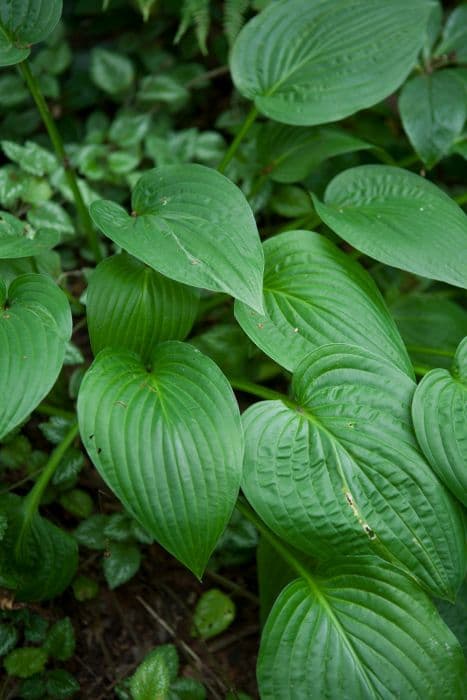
(421,370)
(430,351)
(48,410)
(57,143)
(261,392)
(244,129)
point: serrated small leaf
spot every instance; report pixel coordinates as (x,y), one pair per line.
(91,532)
(52,217)
(20,240)
(25,22)
(154,675)
(131,306)
(193,225)
(168,441)
(439,413)
(32,158)
(60,640)
(214,613)
(26,662)
(400,219)
(121,563)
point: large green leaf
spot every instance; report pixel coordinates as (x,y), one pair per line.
(193,225)
(35,325)
(308,63)
(289,154)
(358,630)
(168,441)
(315,294)
(25,22)
(132,307)
(19,240)
(45,563)
(433,108)
(439,412)
(400,219)
(338,469)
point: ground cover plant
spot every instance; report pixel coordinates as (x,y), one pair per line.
(233,349)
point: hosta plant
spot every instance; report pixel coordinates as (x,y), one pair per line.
(317,263)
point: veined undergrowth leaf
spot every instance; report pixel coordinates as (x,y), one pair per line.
(167,439)
(132,307)
(25,22)
(308,63)
(19,240)
(314,294)
(35,324)
(439,412)
(400,219)
(193,225)
(358,628)
(338,471)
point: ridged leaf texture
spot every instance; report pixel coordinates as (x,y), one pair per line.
(35,325)
(314,294)
(439,412)
(130,306)
(193,225)
(25,22)
(338,470)
(308,63)
(168,441)
(358,630)
(19,240)
(400,219)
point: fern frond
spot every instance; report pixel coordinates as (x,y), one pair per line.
(195,12)
(234,17)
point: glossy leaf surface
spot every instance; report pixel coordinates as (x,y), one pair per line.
(400,219)
(25,22)
(193,225)
(338,469)
(314,294)
(168,441)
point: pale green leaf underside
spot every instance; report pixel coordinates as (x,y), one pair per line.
(19,240)
(193,225)
(168,442)
(339,471)
(35,324)
(132,307)
(25,22)
(313,295)
(439,412)
(308,63)
(358,630)
(400,219)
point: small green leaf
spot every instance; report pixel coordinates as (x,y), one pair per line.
(188,689)
(162,88)
(154,675)
(91,532)
(400,219)
(60,640)
(85,588)
(51,217)
(454,38)
(25,22)
(214,613)
(20,240)
(112,72)
(23,663)
(33,688)
(193,225)
(121,563)
(31,157)
(8,638)
(145,7)
(77,502)
(61,684)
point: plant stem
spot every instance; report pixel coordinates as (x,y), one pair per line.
(59,148)
(261,392)
(461,199)
(430,351)
(245,128)
(48,410)
(421,370)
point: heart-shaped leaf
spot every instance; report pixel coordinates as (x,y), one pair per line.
(25,22)
(168,442)
(193,225)
(132,307)
(400,219)
(310,63)
(358,629)
(19,240)
(338,469)
(439,412)
(314,294)
(35,325)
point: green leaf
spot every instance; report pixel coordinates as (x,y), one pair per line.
(23,663)
(35,323)
(455,615)
(400,219)
(184,688)
(91,532)
(33,688)
(290,154)
(309,63)
(153,677)
(439,413)
(193,225)
(145,7)
(32,158)
(52,217)
(25,22)
(121,563)
(77,502)
(60,640)
(162,88)
(19,240)
(85,588)
(357,629)
(13,91)
(214,613)
(167,439)
(110,71)
(42,565)
(8,638)
(454,39)
(315,477)
(433,108)
(314,294)
(132,307)
(61,684)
